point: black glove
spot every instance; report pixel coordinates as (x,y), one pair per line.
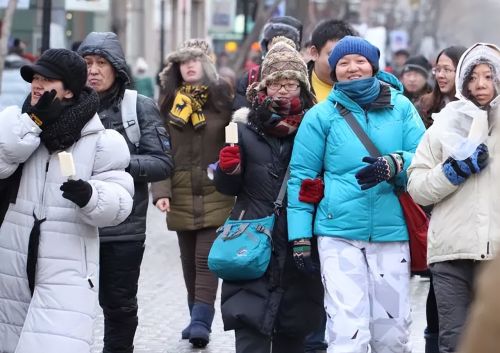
(302,256)
(378,170)
(78,191)
(265,116)
(47,110)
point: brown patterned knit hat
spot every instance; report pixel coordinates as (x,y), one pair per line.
(283,61)
(192,49)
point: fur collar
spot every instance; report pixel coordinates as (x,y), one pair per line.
(241,115)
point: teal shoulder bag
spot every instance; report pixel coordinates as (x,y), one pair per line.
(242,250)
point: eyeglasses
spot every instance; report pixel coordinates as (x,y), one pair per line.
(289,87)
(446,70)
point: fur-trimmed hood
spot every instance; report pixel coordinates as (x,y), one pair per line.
(241,115)
(474,55)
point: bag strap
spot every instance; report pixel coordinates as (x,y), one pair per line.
(358,130)
(278,204)
(129,117)
(362,136)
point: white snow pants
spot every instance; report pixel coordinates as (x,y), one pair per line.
(367,296)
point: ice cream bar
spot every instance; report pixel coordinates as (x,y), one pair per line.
(232,133)
(478,129)
(66,164)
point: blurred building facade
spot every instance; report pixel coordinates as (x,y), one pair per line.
(422,25)
(138,24)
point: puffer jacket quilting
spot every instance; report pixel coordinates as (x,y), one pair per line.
(284,299)
(326,146)
(59,317)
(152,161)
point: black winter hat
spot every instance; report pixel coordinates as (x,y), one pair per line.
(286,26)
(417,63)
(59,64)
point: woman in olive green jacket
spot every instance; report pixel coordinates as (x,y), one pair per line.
(197,107)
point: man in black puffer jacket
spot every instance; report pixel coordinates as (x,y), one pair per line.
(122,246)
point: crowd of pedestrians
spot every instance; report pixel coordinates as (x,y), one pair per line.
(324,146)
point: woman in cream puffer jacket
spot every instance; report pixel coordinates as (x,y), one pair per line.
(457,170)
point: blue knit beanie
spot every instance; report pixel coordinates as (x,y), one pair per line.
(354,45)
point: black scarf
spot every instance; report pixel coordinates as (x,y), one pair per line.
(68,128)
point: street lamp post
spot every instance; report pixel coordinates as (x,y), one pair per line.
(46,18)
(162,33)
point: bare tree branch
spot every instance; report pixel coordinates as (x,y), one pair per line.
(6,26)
(262,17)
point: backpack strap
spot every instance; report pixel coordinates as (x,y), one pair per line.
(129,117)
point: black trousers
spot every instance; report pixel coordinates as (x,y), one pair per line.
(454,288)
(120,264)
(252,341)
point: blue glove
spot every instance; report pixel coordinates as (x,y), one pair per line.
(458,171)
(302,257)
(379,169)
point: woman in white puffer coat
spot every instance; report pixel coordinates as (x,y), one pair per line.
(49,246)
(456,167)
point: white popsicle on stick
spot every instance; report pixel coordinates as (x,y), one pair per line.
(66,164)
(232,133)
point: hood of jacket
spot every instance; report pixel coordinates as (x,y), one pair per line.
(473,56)
(107,45)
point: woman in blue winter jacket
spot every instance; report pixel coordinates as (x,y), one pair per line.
(362,235)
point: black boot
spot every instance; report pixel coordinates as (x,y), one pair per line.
(431,342)
(187,330)
(201,324)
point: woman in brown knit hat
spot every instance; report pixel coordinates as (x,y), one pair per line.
(196,105)
(280,308)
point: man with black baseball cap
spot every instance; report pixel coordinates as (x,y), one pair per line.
(49,244)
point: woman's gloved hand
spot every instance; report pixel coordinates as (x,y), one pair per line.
(230,160)
(379,169)
(302,256)
(47,110)
(311,190)
(458,171)
(78,191)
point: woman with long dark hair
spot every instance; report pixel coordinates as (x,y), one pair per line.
(444,85)
(196,105)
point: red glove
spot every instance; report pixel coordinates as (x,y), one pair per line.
(311,190)
(229,160)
